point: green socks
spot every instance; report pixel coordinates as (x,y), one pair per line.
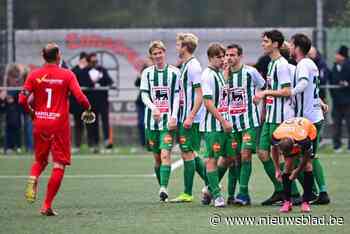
(232,180)
(189,169)
(164,172)
(319,175)
(213,179)
(246,171)
(157,172)
(270,171)
(200,169)
(221,172)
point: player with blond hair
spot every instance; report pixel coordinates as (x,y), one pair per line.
(160,94)
(191,113)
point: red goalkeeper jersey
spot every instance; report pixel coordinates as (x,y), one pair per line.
(51,87)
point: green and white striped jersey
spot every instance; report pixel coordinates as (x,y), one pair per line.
(190,79)
(161,86)
(214,88)
(244,114)
(307,103)
(278,109)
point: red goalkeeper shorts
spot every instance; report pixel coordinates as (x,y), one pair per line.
(58,144)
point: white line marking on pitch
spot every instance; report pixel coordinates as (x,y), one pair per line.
(83,176)
(174,166)
(99,157)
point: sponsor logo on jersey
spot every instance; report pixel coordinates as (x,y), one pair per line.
(50,81)
(41,79)
(234,144)
(168,139)
(246,137)
(151,143)
(216,147)
(182,140)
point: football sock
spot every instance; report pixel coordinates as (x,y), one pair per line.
(295,190)
(308,181)
(270,171)
(37,169)
(287,186)
(189,169)
(319,175)
(301,179)
(53,186)
(221,172)
(214,183)
(200,169)
(246,171)
(238,171)
(232,180)
(157,172)
(164,175)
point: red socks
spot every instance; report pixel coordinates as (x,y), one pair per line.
(37,169)
(53,186)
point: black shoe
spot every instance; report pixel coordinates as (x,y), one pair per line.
(323,199)
(314,196)
(231,200)
(206,199)
(296,200)
(163,197)
(276,197)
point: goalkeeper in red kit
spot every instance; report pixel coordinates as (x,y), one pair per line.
(45,95)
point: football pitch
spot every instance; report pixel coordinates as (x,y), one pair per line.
(119,194)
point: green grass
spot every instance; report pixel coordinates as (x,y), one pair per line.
(128,202)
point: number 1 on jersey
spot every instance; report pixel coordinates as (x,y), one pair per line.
(49,98)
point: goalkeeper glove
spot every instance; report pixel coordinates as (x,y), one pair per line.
(88,116)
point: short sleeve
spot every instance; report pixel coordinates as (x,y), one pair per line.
(194,73)
(312,132)
(302,71)
(257,78)
(144,86)
(284,76)
(207,86)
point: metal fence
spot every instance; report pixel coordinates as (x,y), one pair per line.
(123,51)
(3,55)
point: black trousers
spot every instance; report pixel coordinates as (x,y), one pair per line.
(340,112)
(140,123)
(102,112)
(13,137)
(78,129)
